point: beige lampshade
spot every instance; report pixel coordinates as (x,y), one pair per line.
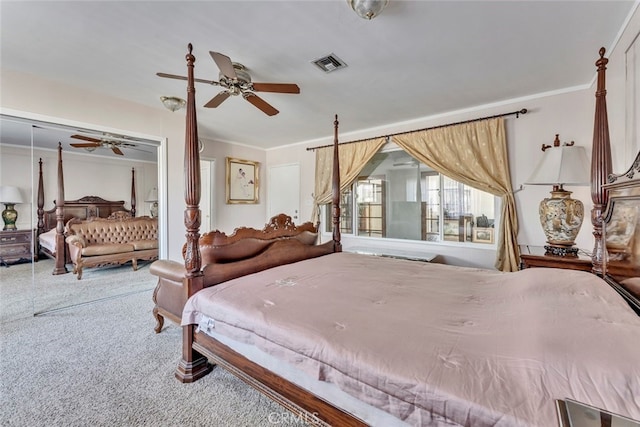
(152,196)
(10,194)
(566,165)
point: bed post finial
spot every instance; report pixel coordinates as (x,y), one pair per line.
(335,189)
(40,199)
(601,165)
(60,267)
(193,260)
(133,192)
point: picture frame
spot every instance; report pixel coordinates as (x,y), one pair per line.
(482,235)
(242,181)
(451,229)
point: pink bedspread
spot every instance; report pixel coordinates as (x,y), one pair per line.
(440,345)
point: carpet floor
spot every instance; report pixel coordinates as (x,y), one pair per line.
(98,362)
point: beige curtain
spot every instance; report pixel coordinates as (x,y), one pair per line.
(352,156)
(474,154)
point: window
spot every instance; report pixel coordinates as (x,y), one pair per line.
(370,198)
(398,197)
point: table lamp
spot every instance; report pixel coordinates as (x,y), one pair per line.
(10,196)
(152,198)
(560,215)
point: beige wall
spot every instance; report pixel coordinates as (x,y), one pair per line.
(229,217)
(569,114)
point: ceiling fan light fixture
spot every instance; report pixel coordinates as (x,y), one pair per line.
(368,9)
(235,80)
(90,149)
(172,103)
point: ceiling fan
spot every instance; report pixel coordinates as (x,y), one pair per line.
(236,80)
(94,143)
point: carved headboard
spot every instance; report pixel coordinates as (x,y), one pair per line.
(83,208)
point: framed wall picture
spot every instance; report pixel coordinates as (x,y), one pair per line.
(482,235)
(451,230)
(242,181)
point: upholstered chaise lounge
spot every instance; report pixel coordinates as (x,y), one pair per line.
(99,242)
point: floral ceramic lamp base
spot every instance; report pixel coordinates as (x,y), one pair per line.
(9,216)
(561,218)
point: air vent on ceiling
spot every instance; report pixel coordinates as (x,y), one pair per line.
(329,63)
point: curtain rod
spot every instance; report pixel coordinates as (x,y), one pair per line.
(517,113)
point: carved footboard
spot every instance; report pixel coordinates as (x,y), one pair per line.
(246,251)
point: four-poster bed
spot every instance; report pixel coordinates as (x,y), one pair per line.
(348,339)
(51,223)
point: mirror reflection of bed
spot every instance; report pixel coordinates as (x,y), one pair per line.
(621,231)
(94,185)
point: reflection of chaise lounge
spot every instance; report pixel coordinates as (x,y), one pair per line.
(99,242)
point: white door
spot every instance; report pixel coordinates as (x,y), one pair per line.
(207,222)
(284,191)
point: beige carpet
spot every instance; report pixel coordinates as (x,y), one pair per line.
(99,362)
(29,289)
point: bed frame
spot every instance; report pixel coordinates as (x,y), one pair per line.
(200,351)
(83,208)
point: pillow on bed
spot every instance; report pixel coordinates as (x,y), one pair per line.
(632,285)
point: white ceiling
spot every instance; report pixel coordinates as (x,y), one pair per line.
(417,59)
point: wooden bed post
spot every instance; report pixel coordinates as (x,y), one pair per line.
(133,192)
(60,267)
(600,163)
(335,189)
(40,200)
(193,365)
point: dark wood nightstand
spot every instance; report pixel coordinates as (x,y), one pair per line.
(16,246)
(568,263)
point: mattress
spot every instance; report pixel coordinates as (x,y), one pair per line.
(48,240)
(438,345)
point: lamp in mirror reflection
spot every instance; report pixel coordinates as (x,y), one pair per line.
(172,103)
(368,9)
(561,216)
(152,197)
(10,196)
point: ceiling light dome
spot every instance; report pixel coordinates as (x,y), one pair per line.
(172,103)
(368,9)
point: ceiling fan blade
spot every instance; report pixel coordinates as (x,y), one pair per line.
(173,76)
(224,63)
(85,138)
(86,144)
(117,150)
(260,103)
(276,87)
(218,99)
